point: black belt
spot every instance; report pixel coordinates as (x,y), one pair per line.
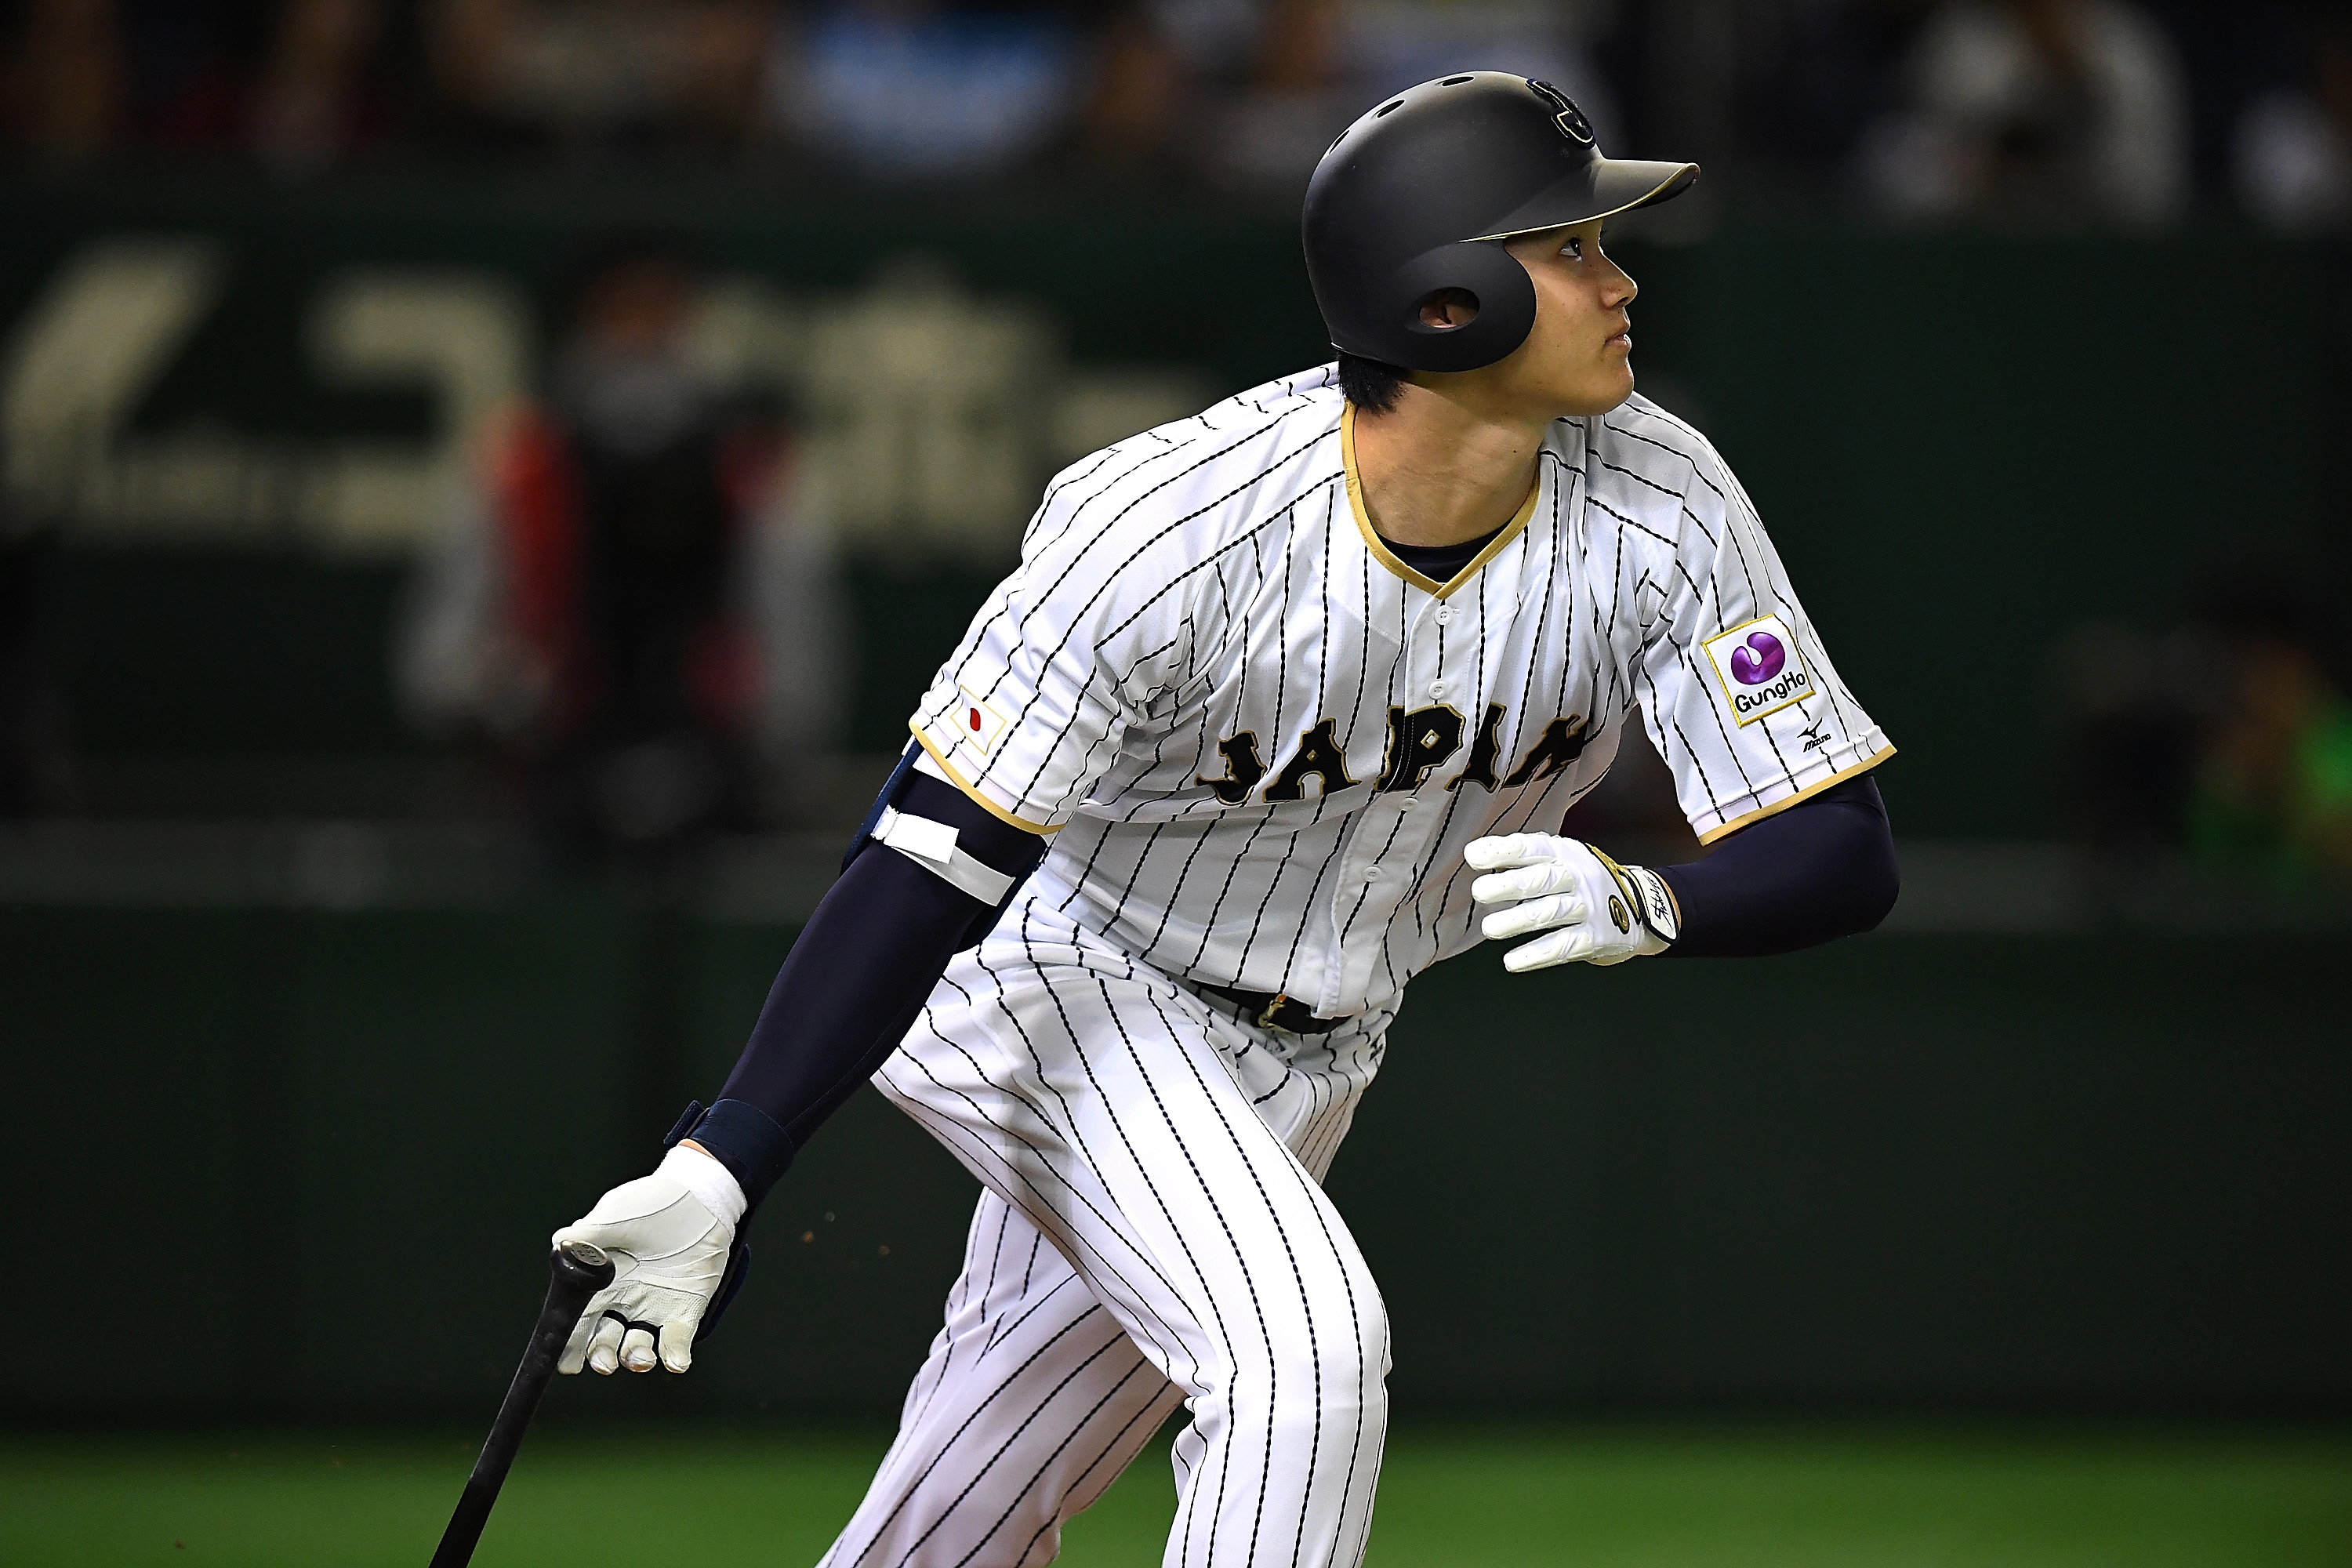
(1271,1010)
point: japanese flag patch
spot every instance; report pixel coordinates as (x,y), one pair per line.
(977,722)
(1759,667)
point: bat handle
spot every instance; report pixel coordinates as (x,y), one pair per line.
(576,1271)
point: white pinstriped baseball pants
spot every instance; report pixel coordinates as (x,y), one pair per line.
(1153,1232)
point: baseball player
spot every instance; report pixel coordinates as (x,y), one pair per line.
(1281,706)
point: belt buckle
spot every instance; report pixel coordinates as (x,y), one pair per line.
(1266,1018)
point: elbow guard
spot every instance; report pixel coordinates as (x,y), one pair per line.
(939,827)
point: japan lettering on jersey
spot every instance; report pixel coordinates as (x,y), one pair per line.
(1262,740)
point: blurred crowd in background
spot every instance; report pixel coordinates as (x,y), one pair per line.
(631,613)
(2132,113)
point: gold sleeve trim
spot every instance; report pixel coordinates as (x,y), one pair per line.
(1379,546)
(1811,790)
(972,790)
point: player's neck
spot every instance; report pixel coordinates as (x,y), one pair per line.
(1436,471)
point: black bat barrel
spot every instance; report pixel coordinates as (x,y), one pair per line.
(576,1272)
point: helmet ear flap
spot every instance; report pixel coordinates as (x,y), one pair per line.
(1491,275)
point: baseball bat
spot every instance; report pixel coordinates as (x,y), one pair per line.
(576,1272)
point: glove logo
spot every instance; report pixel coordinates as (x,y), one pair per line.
(1759,667)
(1617,915)
(1569,119)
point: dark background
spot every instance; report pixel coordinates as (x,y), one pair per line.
(2091,1175)
(1967,448)
(307,1042)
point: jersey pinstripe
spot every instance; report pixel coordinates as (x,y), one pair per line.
(1170,1155)
(1262,742)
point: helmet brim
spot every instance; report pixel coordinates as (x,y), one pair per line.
(1599,189)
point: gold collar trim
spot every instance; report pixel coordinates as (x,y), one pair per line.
(1379,546)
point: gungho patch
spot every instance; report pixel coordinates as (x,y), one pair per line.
(1759,667)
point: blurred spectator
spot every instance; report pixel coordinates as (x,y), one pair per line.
(1297,100)
(318,97)
(603,72)
(2054,112)
(189,65)
(93,75)
(2136,707)
(1320,63)
(1214,38)
(2226,735)
(1135,101)
(1835,71)
(2274,785)
(911,89)
(2293,153)
(1390,45)
(70,87)
(634,602)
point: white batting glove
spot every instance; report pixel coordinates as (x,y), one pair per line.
(669,1235)
(1596,911)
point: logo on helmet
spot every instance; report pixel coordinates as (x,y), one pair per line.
(1570,119)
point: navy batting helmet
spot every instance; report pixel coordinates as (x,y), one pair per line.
(1418,196)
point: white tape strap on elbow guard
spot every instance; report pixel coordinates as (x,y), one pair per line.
(932,846)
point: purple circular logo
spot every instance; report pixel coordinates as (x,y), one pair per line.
(1755,669)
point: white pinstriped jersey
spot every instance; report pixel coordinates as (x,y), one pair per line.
(1262,741)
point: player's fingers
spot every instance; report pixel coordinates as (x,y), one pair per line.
(1524,882)
(605,1345)
(1561,947)
(678,1342)
(1536,914)
(1506,849)
(637,1350)
(575,1349)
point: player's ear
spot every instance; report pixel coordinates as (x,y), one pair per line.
(1445,308)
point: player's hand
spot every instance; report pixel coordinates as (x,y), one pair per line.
(669,1235)
(1596,911)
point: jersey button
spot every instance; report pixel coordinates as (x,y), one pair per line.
(1437,689)
(1444,614)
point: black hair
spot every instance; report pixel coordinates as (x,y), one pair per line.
(1369,384)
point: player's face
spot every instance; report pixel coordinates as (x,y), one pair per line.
(1578,358)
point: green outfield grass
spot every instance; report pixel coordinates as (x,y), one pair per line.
(1477,1498)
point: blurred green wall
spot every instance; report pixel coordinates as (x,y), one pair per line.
(1965,447)
(289,1160)
(267,1163)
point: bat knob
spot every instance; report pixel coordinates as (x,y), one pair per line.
(586,1254)
(581,1268)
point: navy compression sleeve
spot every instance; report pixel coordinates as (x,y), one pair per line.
(1822,869)
(853,983)
(861,971)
